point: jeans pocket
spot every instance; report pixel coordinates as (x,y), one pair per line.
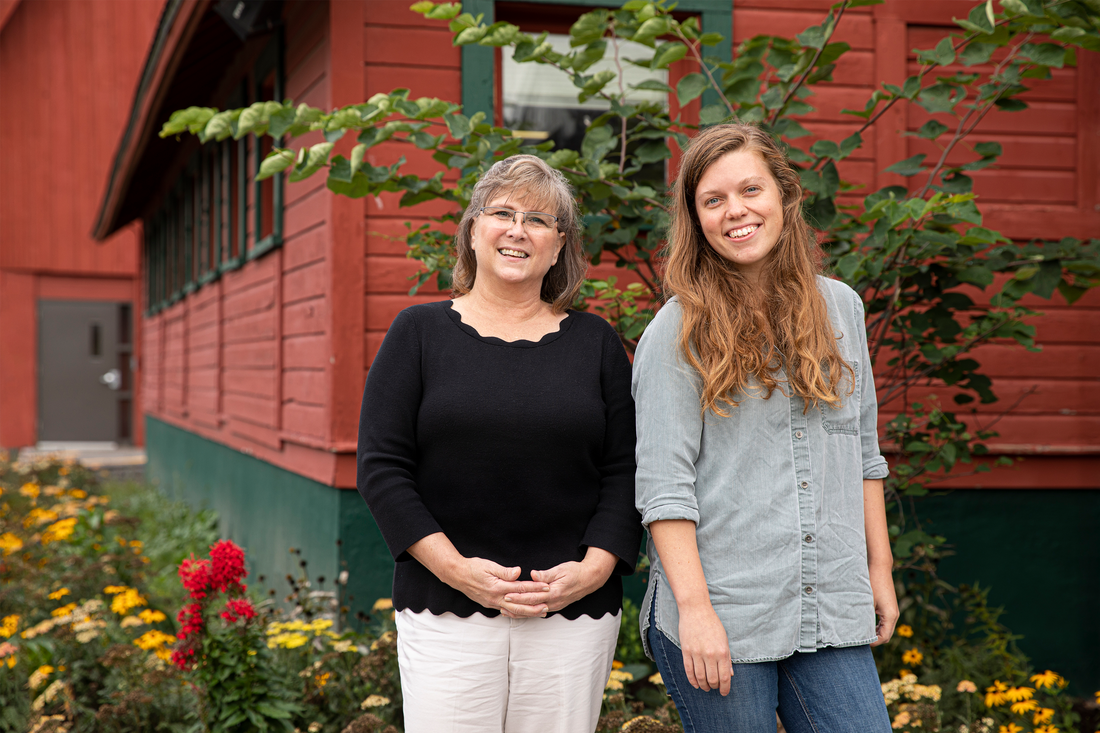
(843,420)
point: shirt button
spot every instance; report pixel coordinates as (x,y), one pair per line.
(805,484)
(798,434)
(809,589)
(809,538)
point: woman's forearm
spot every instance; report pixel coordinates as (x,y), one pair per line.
(676,544)
(879,555)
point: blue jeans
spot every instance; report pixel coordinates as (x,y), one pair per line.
(827,691)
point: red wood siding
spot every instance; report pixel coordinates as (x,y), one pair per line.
(247,359)
(68,71)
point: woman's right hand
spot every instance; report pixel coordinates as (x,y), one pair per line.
(482,581)
(487,583)
(706,650)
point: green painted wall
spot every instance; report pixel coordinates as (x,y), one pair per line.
(268,510)
(1037,551)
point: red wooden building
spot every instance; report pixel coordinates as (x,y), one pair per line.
(261,305)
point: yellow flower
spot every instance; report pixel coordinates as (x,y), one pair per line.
(616,664)
(289,640)
(39,676)
(374,701)
(1047,729)
(127,600)
(38,516)
(59,530)
(63,610)
(1010,728)
(901,720)
(166,654)
(617,678)
(345,645)
(78,494)
(1015,694)
(1024,706)
(29,490)
(112,589)
(9,626)
(319,625)
(1047,679)
(966,686)
(656,679)
(1043,716)
(995,694)
(153,639)
(58,594)
(11,661)
(322,679)
(131,621)
(905,630)
(912,657)
(382,604)
(9,543)
(643,721)
(151,617)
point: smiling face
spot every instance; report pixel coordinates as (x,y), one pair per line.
(509,253)
(740,209)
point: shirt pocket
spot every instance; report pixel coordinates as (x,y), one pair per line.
(843,420)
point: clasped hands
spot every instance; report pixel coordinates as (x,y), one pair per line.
(494,586)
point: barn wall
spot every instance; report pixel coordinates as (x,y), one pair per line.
(246,360)
(63,116)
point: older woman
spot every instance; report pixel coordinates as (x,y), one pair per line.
(496,453)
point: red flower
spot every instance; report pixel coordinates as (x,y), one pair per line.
(238,608)
(190,618)
(196,577)
(182,658)
(227,565)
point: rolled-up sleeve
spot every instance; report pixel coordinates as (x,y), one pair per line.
(874,465)
(666,395)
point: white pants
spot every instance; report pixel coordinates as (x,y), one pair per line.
(503,675)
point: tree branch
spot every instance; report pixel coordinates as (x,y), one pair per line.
(706,69)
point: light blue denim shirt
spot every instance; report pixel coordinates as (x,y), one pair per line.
(776,495)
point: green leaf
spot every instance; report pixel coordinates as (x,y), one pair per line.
(589,27)
(978,21)
(943,54)
(1011,105)
(651,29)
(444,11)
(597,143)
(1046,54)
(988,149)
(192,119)
(470,35)
(424,141)
(813,37)
(909,166)
(825,149)
(932,129)
(652,151)
(850,144)
(668,53)
(976,275)
(711,39)
(458,125)
(939,98)
(1047,279)
(357,154)
(592,53)
(595,84)
(652,85)
(713,114)
(277,161)
(691,87)
(976,53)
(280,121)
(311,162)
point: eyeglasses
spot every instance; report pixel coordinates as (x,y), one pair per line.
(536,221)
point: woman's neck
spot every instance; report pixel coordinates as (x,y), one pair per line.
(513,306)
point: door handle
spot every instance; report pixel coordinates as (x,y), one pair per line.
(113,379)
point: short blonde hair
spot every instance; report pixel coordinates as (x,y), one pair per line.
(531,178)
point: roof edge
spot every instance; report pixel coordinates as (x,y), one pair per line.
(177,24)
(7,9)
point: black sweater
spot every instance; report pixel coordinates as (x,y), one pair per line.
(520,452)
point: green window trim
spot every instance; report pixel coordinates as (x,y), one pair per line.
(189,240)
(478,62)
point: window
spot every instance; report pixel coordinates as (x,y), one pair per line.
(217,216)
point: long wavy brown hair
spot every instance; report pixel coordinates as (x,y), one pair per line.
(735,330)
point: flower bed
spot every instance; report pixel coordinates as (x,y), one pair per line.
(96,636)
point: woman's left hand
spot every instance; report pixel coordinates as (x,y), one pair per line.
(569,581)
(886,604)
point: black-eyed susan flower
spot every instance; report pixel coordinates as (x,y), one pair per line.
(1016,694)
(1043,715)
(905,630)
(65,610)
(9,625)
(1048,729)
(1048,679)
(995,694)
(58,594)
(1010,728)
(1024,706)
(912,656)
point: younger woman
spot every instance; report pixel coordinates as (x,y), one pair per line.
(759,473)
